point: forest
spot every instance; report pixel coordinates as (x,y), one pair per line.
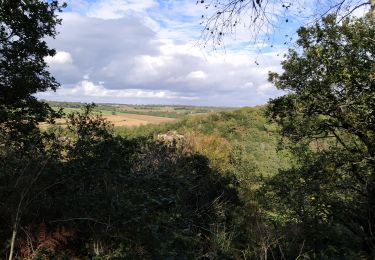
(291,179)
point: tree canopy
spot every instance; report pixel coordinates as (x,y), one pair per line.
(327,118)
(330,85)
(25,25)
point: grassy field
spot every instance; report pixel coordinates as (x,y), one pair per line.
(136,120)
(169,111)
(122,115)
(119,118)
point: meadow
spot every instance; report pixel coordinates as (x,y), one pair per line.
(120,119)
(169,111)
(124,115)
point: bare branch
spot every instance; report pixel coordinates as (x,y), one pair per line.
(262,18)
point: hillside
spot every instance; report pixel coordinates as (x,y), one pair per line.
(239,141)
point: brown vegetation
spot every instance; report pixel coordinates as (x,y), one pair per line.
(125,120)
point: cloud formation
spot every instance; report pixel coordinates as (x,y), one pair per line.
(127,51)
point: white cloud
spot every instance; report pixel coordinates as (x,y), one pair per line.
(87,89)
(198,74)
(114,51)
(111,9)
(61,57)
(145,51)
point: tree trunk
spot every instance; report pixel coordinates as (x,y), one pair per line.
(372,9)
(15,228)
(13,240)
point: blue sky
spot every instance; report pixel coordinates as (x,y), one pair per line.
(146,52)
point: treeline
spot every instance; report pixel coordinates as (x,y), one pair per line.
(172,111)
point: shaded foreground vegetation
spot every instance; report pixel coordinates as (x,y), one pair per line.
(217,189)
(89,193)
(94,191)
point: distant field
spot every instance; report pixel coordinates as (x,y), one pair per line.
(136,120)
(120,119)
(136,115)
(168,111)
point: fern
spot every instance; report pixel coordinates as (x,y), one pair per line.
(43,241)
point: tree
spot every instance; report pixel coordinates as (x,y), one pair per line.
(24,26)
(330,85)
(328,118)
(263,17)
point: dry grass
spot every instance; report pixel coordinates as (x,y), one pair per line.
(126,120)
(137,120)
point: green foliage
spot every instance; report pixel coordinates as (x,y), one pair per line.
(24,27)
(135,199)
(328,120)
(243,137)
(23,148)
(331,83)
(172,111)
(240,144)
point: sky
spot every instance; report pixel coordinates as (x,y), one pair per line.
(148,52)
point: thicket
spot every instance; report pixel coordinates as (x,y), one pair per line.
(88,193)
(239,143)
